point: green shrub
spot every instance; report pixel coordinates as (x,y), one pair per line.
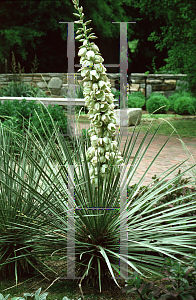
(172,100)
(116,93)
(58,116)
(155,101)
(178,282)
(16,108)
(21,89)
(181,105)
(17,114)
(192,107)
(136,100)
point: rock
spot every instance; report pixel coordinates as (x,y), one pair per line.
(142,90)
(128,116)
(46,78)
(148,89)
(55,83)
(5,82)
(164,87)
(137,80)
(41,84)
(154,81)
(53,74)
(25,79)
(64,91)
(55,92)
(48,93)
(134,116)
(112,81)
(170,81)
(36,78)
(134,87)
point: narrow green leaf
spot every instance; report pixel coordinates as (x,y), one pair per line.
(99,273)
(108,264)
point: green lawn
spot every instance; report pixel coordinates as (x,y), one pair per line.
(184,127)
(165,116)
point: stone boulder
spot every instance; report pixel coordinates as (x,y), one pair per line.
(128,116)
(55,83)
(41,84)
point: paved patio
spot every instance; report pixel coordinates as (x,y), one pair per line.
(173,153)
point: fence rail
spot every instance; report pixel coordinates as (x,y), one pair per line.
(53,101)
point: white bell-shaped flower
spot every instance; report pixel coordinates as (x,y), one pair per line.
(106,140)
(98,59)
(82,51)
(95,48)
(94,74)
(102,159)
(100,150)
(94,160)
(90,55)
(104,168)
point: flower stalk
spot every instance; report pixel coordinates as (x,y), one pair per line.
(99,101)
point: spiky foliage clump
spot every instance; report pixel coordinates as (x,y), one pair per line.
(155,229)
(21,219)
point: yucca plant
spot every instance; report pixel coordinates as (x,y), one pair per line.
(22,220)
(154,230)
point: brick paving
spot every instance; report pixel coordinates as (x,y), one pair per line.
(173,153)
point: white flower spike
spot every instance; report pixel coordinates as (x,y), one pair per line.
(99,101)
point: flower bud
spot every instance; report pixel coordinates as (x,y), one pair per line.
(95,48)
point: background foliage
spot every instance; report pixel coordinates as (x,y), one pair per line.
(31,27)
(162,40)
(17,115)
(177,35)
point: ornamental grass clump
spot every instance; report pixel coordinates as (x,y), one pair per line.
(99,101)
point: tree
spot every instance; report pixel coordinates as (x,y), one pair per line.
(28,28)
(32,27)
(177,35)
